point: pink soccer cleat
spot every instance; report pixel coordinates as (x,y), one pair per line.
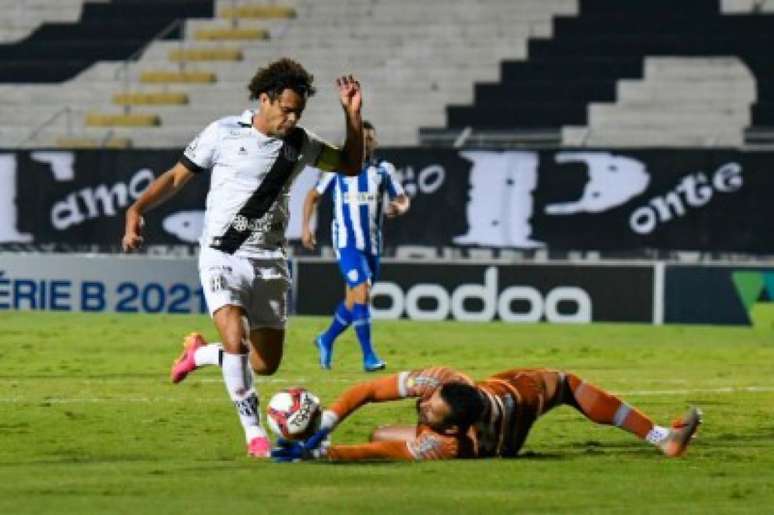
(259,447)
(185,363)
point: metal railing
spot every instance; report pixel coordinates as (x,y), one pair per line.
(123,71)
(66,111)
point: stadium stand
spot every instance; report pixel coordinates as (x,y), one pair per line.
(597,78)
(534,72)
(680,102)
(414,58)
(21,18)
(57,51)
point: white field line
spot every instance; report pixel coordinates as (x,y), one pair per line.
(219,399)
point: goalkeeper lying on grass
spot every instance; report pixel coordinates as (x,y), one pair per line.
(459,418)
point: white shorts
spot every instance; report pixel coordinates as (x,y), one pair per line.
(260,286)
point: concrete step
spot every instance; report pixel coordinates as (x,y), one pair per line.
(413,59)
(700,68)
(687,91)
(670,120)
(649,137)
(746,6)
(655,109)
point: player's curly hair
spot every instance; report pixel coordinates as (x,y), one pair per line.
(280,75)
(465,404)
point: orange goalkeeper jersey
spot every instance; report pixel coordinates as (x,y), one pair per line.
(515,398)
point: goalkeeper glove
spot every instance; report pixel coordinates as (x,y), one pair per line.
(310,449)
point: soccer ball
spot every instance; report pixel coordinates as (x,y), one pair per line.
(294,413)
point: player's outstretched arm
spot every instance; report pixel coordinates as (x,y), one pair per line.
(161,189)
(393,451)
(426,447)
(308,239)
(378,390)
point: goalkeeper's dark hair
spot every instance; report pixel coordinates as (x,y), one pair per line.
(465,404)
(281,75)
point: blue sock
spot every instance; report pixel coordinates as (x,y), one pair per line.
(361,319)
(342,318)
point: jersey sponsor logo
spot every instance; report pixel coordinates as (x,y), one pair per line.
(240,223)
(360,197)
(352,275)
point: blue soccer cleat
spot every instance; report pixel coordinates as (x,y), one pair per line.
(326,353)
(372,363)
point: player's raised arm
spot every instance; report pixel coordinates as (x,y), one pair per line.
(160,190)
(349,159)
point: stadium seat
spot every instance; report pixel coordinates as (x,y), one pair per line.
(166,77)
(257,11)
(122,120)
(230,34)
(158,98)
(413,59)
(205,54)
(609,76)
(104,31)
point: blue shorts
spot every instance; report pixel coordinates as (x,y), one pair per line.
(357,266)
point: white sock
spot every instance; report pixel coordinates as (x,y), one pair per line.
(239,383)
(208,354)
(656,435)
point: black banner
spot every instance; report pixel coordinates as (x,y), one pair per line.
(623,200)
(612,201)
(75,199)
(719,295)
(475,292)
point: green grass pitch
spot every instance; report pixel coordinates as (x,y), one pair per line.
(89,422)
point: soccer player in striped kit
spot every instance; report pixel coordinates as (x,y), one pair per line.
(462,418)
(356,232)
(251,161)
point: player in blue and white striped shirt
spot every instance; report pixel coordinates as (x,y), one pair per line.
(356,232)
